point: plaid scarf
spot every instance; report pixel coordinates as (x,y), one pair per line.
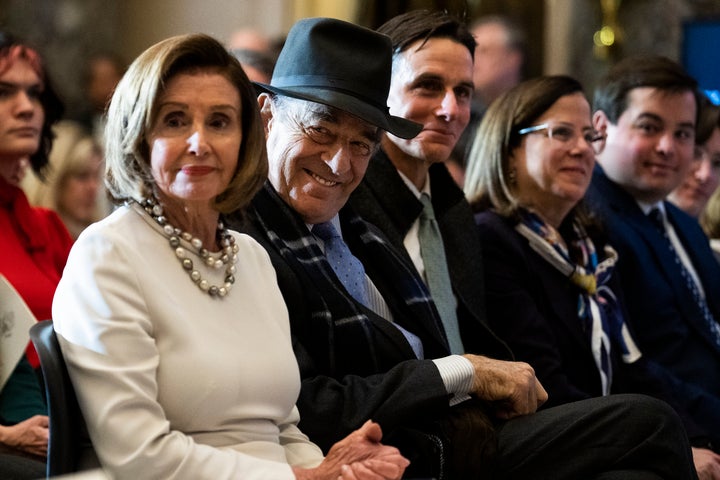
(338,324)
(598,307)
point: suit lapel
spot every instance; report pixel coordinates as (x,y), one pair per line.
(626,209)
(376,265)
(399,206)
(697,247)
(666,264)
(665,258)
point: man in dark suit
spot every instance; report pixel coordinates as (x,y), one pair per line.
(433,86)
(671,283)
(368,337)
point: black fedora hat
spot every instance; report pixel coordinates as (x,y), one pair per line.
(342,65)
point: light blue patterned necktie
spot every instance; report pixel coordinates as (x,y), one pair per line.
(656,216)
(436,272)
(351,273)
(346,266)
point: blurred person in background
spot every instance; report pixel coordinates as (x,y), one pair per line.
(498,65)
(702,180)
(257,65)
(102,73)
(710,222)
(248,38)
(34,245)
(499,57)
(255,51)
(73,187)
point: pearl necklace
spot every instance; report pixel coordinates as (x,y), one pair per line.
(228,258)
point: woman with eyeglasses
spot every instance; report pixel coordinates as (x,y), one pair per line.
(551,290)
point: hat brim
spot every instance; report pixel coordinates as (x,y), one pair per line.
(398,126)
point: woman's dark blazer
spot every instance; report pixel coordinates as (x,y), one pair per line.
(533,307)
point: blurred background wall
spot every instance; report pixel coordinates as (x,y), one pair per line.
(562,34)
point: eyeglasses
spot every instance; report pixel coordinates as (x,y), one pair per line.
(564,134)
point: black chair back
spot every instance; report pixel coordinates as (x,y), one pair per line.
(68,434)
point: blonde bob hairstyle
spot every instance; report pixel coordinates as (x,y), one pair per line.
(74,154)
(487,182)
(133,110)
(710,218)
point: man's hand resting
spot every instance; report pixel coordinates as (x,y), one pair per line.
(511,387)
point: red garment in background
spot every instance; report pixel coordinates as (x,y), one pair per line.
(34,246)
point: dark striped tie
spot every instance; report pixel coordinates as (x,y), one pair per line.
(657,218)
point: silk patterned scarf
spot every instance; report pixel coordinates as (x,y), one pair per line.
(598,308)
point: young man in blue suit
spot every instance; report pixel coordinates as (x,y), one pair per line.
(647,107)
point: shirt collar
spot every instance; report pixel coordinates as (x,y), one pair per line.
(413,188)
(647,207)
(334,220)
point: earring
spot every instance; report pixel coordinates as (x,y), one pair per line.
(512,176)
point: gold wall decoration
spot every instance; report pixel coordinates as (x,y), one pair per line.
(608,39)
(342,9)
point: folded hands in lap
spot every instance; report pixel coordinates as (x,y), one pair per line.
(359,456)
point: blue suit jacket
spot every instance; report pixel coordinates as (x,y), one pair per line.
(666,320)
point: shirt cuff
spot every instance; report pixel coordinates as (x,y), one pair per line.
(457,374)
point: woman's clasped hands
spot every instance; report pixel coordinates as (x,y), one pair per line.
(359,456)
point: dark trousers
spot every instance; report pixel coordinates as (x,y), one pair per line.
(15,467)
(620,437)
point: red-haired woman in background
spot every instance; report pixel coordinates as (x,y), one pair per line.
(34,245)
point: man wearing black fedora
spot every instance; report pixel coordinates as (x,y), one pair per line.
(368,337)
